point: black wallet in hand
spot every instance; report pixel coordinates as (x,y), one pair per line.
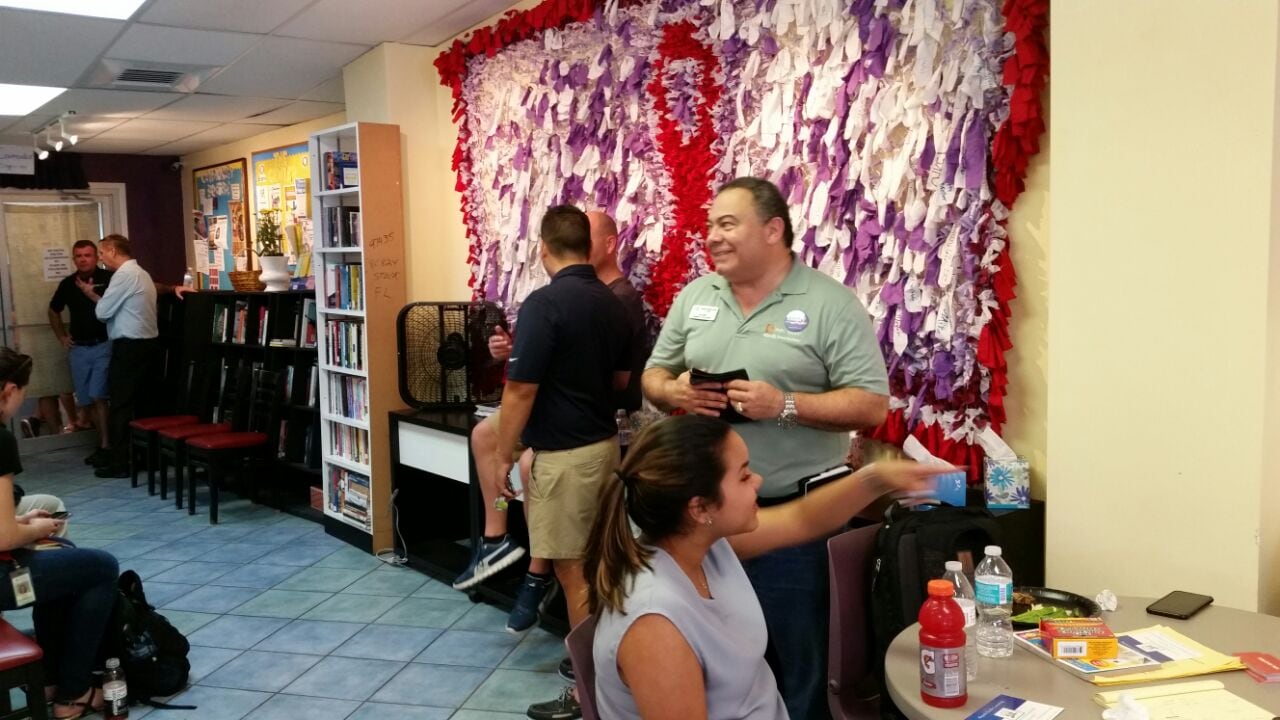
(729,414)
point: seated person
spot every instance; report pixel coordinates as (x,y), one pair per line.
(680,631)
(75,588)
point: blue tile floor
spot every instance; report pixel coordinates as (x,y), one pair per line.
(288,622)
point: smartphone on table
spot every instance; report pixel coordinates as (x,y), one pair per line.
(1179,604)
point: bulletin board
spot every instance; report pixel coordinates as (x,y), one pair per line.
(221,233)
(282,182)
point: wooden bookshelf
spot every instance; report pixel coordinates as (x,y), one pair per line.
(358,257)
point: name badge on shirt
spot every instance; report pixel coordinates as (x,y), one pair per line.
(703,312)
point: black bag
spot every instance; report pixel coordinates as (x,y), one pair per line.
(152,652)
(912,548)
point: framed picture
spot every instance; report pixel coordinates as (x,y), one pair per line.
(221,240)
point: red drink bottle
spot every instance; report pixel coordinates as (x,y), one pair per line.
(942,676)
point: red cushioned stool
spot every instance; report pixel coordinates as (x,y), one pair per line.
(20,666)
(237,451)
(173,451)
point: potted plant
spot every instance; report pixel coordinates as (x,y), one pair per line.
(275,270)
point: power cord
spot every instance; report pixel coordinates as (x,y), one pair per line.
(391,556)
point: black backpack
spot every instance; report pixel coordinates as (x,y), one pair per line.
(152,652)
(911,549)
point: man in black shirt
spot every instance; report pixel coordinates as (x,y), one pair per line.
(86,341)
(566,363)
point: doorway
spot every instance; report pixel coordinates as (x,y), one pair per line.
(37,230)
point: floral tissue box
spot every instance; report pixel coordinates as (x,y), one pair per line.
(1008,483)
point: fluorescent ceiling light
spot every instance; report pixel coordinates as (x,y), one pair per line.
(24,99)
(114,9)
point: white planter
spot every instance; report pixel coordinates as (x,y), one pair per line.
(275,273)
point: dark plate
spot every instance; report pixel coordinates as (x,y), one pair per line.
(1058,598)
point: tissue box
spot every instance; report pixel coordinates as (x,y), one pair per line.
(1079,639)
(1008,483)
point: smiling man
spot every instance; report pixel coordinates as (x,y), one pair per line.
(815,372)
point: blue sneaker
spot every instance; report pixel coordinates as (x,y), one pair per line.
(532,599)
(488,560)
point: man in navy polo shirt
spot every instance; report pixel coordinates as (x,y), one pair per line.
(567,360)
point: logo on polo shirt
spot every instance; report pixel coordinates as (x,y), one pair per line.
(796,321)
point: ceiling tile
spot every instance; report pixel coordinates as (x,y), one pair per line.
(254,16)
(297,112)
(107,103)
(328,91)
(283,68)
(159,131)
(124,147)
(37,48)
(346,21)
(216,108)
(220,135)
(157,43)
(464,16)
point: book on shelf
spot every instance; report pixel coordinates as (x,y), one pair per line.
(344,286)
(313,386)
(341,170)
(263,315)
(306,334)
(283,444)
(288,383)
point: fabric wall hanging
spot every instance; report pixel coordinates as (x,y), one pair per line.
(899,130)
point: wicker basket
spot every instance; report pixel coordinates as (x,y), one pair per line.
(246,280)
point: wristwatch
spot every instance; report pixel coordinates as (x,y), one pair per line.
(787,418)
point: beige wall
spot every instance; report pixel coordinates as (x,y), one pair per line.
(1161,388)
(245,149)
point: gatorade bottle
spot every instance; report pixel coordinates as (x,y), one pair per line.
(942,672)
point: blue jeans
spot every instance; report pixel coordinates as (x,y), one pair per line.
(792,586)
(75,594)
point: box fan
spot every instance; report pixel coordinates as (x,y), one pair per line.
(444,356)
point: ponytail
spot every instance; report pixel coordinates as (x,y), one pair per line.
(613,553)
(670,463)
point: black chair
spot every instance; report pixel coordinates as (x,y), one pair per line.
(144,432)
(21,666)
(232,402)
(237,451)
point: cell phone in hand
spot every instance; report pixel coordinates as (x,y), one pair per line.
(60,515)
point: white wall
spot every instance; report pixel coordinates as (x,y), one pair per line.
(1161,340)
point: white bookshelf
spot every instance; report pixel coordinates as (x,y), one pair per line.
(356,307)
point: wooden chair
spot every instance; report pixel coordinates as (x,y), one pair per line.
(144,432)
(232,403)
(21,666)
(579,642)
(237,451)
(852,691)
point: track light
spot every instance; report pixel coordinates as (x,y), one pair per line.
(48,140)
(41,153)
(62,130)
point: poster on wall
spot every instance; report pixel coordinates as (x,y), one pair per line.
(221,235)
(282,182)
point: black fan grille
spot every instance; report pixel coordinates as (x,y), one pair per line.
(444,354)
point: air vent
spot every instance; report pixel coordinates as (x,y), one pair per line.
(144,75)
(139,76)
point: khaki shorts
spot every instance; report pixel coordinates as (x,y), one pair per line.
(564,497)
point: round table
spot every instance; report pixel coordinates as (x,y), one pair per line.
(1031,678)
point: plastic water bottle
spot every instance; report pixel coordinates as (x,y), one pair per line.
(965,599)
(188,277)
(624,427)
(115,693)
(994,590)
(942,661)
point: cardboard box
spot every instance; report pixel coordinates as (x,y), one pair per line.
(1079,639)
(317,498)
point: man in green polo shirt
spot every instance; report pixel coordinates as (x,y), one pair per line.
(815,372)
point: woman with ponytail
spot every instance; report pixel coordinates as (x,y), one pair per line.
(74,588)
(680,631)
